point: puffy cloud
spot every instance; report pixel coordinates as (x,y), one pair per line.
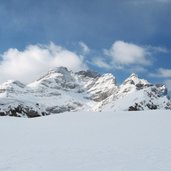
(128,56)
(124,54)
(29,64)
(84,47)
(162,72)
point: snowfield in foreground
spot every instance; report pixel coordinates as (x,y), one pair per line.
(121,141)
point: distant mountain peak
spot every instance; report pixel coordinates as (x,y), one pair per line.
(133,75)
(10,83)
(60,69)
(57,71)
(61,90)
(134,79)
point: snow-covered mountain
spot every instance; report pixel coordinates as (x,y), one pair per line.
(61,90)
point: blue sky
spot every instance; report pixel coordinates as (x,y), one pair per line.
(118,36)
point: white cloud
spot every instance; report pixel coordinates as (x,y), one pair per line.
(125,54)
(168,84)
(157,49)
(162,72)
(84,47)
(101,63)
(29,64)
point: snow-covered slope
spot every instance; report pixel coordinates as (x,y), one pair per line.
(61,90)
(116,141)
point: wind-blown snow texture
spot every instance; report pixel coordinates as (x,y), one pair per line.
(61,90)
(117,141)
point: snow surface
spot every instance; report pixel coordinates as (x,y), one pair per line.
(87,141)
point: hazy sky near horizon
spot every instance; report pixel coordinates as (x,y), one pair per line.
(118,36)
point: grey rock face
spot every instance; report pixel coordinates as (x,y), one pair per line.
(88,73)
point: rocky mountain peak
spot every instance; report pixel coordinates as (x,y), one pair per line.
(55,72)
(109,77)
(61,70)
(11,84)
(61,90)
(134,79)
(133,75)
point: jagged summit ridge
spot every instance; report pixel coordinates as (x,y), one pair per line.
(61,90)
(134,79)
